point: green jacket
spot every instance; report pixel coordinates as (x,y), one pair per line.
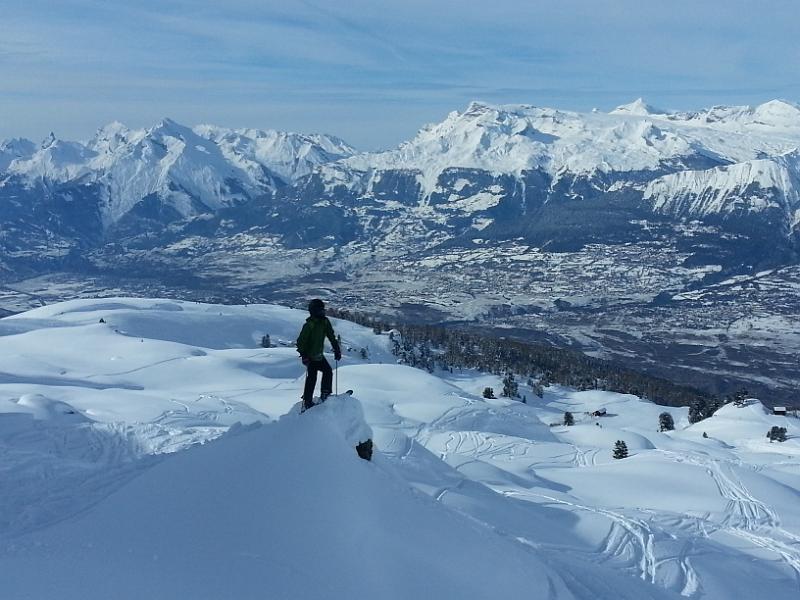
(311,341)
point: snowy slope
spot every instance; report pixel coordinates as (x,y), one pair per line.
(56,160)
(284,511)
(126,479)
(14,149)
(730,188)
(289,155)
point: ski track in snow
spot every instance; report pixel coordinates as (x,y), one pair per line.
(585,458)
(746,516)
(481,446)
(83,462)
(632,542)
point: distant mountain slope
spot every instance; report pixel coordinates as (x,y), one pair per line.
(289,155)
(505,170)
(747,187)
(167,172)
(500,172)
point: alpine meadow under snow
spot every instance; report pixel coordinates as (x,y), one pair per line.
(152,449)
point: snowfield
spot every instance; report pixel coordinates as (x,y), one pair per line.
(153,449)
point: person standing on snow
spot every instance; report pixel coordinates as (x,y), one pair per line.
(310,345)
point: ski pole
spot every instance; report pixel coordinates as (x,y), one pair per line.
(337,378)
(303,399)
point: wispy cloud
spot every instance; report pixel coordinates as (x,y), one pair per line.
(378,70)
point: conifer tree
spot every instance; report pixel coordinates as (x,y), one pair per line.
(696,413)
(569,420)
(739,397)
(459,349)
(510,386)
(665,422)
(712,406)
(777,434)
(488,393)
(620,449)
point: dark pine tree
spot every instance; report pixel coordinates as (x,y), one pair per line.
(665,422)
(696,412)
(620,449)
(777,434)
(488,393)
(569,420)
(740,397)
(510,386)
(712,406)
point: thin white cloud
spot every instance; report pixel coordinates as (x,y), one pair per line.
(365,59)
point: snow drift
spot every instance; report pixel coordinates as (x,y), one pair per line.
(286,510)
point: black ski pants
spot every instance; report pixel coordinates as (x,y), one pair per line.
(314,367)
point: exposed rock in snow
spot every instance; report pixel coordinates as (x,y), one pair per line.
(748,186)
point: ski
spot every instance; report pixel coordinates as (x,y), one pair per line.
(317,400)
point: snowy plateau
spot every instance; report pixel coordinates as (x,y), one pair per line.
(667,241)
(151,449)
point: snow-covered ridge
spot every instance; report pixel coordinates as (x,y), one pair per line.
(514,137)
(635,137)
(737,187)
(200,169)
(13,149)
(189,170)
(289,155)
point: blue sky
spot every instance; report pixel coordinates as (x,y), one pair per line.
(374,71)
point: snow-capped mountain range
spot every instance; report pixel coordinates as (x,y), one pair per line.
(716,153)
(191,171)
(505,215)
(634,137)
(722,161)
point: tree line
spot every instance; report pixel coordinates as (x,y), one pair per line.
(434,347)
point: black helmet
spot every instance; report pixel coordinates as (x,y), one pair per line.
(316,308)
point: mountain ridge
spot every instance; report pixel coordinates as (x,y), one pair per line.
(585,229)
